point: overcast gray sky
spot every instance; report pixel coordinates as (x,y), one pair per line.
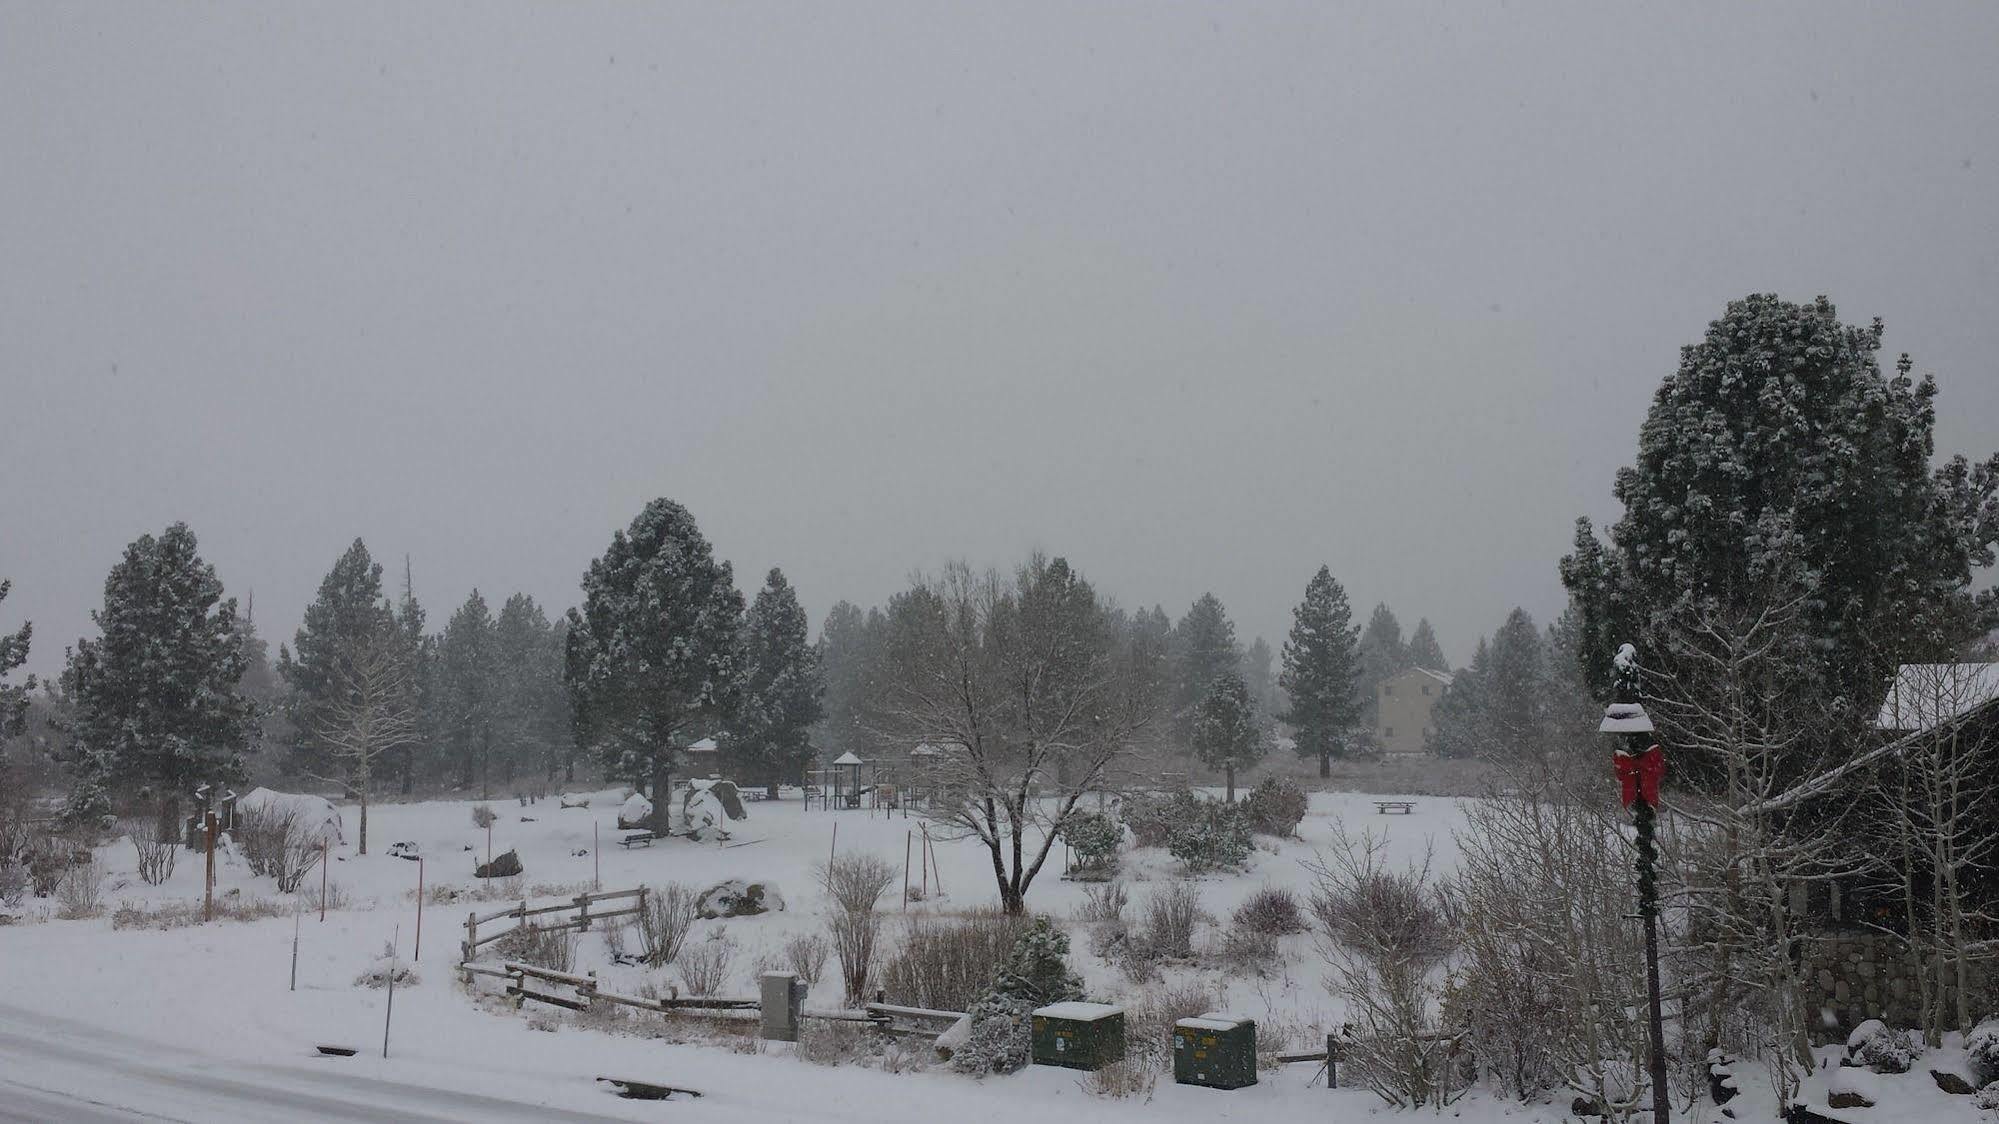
(1200,297)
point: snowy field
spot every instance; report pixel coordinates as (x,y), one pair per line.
(178,1022)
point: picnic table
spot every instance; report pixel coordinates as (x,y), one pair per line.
(1394,807)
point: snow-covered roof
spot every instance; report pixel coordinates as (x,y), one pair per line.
(1423,672)
(705,745)
(1926,694)
(847,758)
(1078,1012)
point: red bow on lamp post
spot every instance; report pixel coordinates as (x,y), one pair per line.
(1639,774)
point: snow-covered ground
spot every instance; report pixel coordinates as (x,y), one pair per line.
(182,1022)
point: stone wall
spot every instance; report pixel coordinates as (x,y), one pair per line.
(1862,976)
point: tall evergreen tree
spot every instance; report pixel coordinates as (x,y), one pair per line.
(347,613)
(1204,650)
(1322,671)
(1424,651)
(420,666)
(467,678)
(13,696)
(1515,691)
(157,700)
(651,651)
(1459,726)
(778,689)
(1228,731)
(1259,675)
(849,650)
(1382,654)
(1779,438)
(530,707)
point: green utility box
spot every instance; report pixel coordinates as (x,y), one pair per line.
(1078,1035)
(1217,1050)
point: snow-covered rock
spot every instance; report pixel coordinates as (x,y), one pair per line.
(1981,1051)
(1882,1049)
(737,898)
(636,811)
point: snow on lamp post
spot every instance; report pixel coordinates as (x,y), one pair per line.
(1641,765)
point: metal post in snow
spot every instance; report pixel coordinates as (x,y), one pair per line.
(596,863)
(208,892)
(295,916)
(390,1012)
(324,858)
(834,847)
(908,841)
(418,953)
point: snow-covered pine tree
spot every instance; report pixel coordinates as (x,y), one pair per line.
(1779,427)
(467,694)
(13,696)
(1204,649)
(420,661)
(1322,671)
(348,608)
(1228,731)
(651,651)
(156,696)
(1514,692)
(1424,651)
(1382,654)
(529,706)
(1259,674)
(778,690)
(1458,723)
(849,653)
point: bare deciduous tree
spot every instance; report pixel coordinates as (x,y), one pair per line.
(1023,681)
(371,712)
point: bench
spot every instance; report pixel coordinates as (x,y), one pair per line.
(1394,807)
(638,839)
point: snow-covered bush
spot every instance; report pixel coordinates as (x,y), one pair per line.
(550,947)
(1036,973)
(1095,837)
(13,883)
(1171,915)
(278,843)
(1151,816)
(1981,1051)
(1218,835)
(1104,904)
(1883,1049)
(805,955)
(704,965)
(1273,910)
(856,884)
(377,974)
(947,965)
(664,918)
(1276,807)
(1382,911)
(81,891)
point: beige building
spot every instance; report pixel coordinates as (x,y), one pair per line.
(1403,702)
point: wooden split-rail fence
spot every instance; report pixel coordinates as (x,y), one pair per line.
(582,915)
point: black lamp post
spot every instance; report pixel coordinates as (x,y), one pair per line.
(1641,765)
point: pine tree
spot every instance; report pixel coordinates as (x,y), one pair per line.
(347,612)
(1382,655)
(1516,691)
(157,702)
(1227,729)
(467,678)
(13,696)
(1458,723)
(651,652)
(1321,671)
(1259,675)
(529,705)
(849,646)
(420,663)
(778,689)
(1204,650)
(1424,651)
(1778,436)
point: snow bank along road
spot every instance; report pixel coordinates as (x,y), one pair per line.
(54,1069)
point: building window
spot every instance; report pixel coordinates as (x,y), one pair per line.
(1387,690)
(1426,688)
(1388,731)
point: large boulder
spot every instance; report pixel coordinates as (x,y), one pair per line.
(506,866)
(635,812)
(737,898)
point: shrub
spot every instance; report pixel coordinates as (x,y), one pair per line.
(1170,917)
(387,966)
(79,894)
(13,883)
(947,965)
(1885,1050)
(805,954)
(1216,836)
(1150,1013)
(276,844)
(1036,973)
(704,965)
(181,914)
(1383,911)
(664,918)
(1151,817)
(550,948)
(1095,837)
(1276,807)
(156,849)
(1000,1040)
(856,884)
(1271,910)
(1981,1050)
(1104,903)
(483,816)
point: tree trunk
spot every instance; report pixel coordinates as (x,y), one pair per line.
(1325,764)
(1228,770)
(662,789)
